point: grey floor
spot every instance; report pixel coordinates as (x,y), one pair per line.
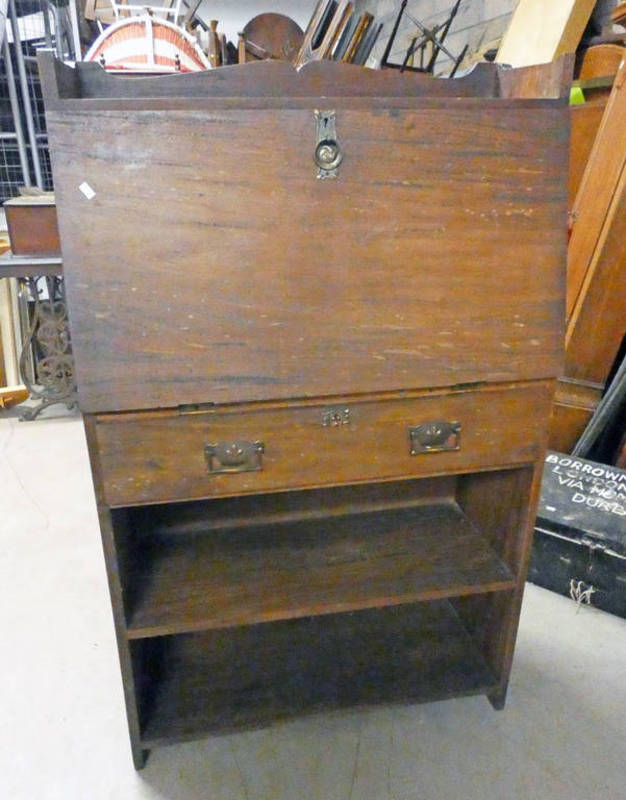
(63,732)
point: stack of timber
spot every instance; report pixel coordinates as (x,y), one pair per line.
(596,283)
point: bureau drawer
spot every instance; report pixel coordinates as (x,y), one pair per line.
(149,457)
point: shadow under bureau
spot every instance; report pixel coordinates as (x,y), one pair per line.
(317,318)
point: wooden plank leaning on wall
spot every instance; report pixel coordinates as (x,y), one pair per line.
(539,32)
(595,203)
(596,274)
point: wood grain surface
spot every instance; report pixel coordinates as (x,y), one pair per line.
(595,205)
(33,229)
(248,575)
(88,86)
(585,120)
(209,683)
(574,404)
(220,292)
(159,457)
(505,503)
(539,32)
(176,519)
(277,34)
(597,325)
(231,275)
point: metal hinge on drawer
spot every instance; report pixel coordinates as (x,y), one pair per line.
(194,408)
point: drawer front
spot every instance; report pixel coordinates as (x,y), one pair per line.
(152,457)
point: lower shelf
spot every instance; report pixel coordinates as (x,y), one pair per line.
(224,680)
(216,579)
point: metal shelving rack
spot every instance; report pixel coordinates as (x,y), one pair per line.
(45,365)
(30,26)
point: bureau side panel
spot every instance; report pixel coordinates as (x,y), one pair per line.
(208,263)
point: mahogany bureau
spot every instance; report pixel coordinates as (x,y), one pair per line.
(317,317)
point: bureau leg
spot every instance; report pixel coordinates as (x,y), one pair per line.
(117,554)
(140,756)
(497,698)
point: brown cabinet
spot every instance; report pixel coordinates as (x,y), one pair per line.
(317,318)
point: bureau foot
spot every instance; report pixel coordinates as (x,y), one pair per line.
(497,699)
(140,757)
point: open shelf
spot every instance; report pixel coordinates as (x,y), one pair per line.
(246,677)
(295,506)
(220,578)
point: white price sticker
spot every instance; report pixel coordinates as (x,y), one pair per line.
(86,189)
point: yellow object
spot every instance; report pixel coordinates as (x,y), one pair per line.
(576,96)
(12,395)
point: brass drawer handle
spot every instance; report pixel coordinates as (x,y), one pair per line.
(234,456)
(434,437)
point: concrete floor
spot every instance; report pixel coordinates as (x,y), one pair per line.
(561,735)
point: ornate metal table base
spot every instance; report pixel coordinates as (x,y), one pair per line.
(49,341)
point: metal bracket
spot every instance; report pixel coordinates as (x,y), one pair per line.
(234,456)
(328,154)
(434,437)
(335,415)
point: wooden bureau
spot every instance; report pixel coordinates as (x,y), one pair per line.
(317,317)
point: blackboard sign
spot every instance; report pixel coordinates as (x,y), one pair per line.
(584,497)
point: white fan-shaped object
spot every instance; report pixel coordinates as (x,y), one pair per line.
(145,44)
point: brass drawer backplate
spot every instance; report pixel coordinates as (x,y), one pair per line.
(434,437)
